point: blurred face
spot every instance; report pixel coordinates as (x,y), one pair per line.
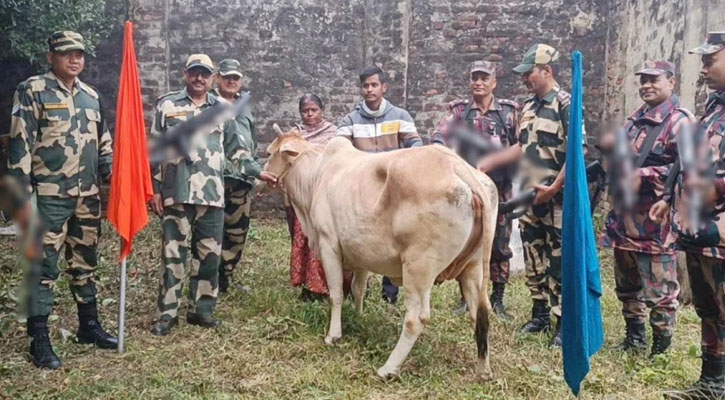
(482,84)
(198,81)
(536,80)
(373,90)
(311,113)
(67,65)
(229,85)
(713,70)
(655,89)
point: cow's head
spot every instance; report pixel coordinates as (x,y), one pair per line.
(284,150)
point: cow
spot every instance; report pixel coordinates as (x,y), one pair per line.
(419,216)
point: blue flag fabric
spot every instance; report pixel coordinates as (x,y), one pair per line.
(582,328)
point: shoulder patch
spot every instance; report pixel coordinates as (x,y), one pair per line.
(563,97)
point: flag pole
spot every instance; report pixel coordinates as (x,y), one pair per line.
(122,307)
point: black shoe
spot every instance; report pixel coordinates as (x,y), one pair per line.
(309,296)
(92,332)
(635,338)
(556,339)
(540,320)
(42,354)
(461,308)
(390,291)
(497,301)
(660,343)
(205,321)
(389,299)
(163,326)
(223,280)
(710,385)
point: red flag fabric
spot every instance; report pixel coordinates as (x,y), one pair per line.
(131,179)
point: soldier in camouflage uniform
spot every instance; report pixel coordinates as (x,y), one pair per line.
(645,268)
(706,251)
(495,120)
(190,196)
(543,139)
(237,189)
(60,149)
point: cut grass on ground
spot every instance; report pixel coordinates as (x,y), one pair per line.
(270,345)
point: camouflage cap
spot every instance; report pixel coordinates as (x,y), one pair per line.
(61,41)
(715,42)
(483,66)
(199,60)
(656,68)
(538,54)
(230,66)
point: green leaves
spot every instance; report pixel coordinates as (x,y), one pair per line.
(25,25)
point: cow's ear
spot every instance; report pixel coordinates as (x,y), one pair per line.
(289,149)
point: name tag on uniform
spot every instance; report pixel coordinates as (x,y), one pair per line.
(55,106)
(178,114)
(389,128)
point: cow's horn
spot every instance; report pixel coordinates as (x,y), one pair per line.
(277,129)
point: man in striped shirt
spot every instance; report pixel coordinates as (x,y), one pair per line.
(375,126)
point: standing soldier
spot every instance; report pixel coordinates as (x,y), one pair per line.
(645,267)
(543,139)
(496,121)
(60,148)
(376,125)
(189,194)
(237,187)
(706,251)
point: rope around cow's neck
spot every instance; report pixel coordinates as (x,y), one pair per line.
(292,163)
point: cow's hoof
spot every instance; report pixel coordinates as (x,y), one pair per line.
(387,374)
(331,340)
(484,373)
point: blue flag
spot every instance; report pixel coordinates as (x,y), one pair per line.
(582,329)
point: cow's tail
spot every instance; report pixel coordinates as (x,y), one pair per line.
(482,327)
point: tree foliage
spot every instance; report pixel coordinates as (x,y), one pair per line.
(26,24)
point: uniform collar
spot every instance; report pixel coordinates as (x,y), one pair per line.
(658,114)
(78,85)
(716,97)
(216,93)
(549,96)
(184,95)
(494,106)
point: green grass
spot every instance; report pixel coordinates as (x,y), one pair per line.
(270,345)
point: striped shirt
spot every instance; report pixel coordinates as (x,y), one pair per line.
(392,129)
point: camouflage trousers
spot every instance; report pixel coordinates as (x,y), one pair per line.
(707,280)
(76,223)
(541,240)
(647,280)
(202,226)
(237,204)
(501,252)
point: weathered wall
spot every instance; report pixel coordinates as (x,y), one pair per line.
(657,29)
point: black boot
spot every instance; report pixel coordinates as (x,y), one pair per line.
(205,321)
(540,320)
(635,338)
(497,295)
(41,352)
(556,339)
(709,386)
(223,280)
(660,343)
(163,326)
(90,330)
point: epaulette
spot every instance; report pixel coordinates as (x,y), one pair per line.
(563,97)
(511,103)
(686,112)
(456,103)
(167,95)
(35,83)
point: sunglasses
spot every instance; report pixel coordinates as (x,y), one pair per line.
(204,73)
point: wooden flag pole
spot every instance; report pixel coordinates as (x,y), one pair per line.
(122,307)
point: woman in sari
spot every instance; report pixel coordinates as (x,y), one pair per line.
(305,267)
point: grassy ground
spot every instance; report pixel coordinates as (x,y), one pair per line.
(270,346)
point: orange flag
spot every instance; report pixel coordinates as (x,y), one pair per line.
(131,180)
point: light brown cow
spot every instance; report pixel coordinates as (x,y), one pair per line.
(418,216)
